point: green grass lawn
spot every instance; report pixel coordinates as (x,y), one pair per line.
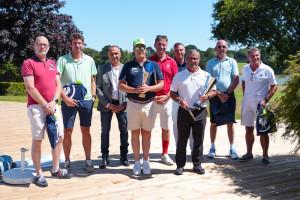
(240,66)
(238,94)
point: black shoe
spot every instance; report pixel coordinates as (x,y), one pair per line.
(124,161)
(198,169)
(179,171)
(104,163)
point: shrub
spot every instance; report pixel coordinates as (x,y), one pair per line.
(12,88)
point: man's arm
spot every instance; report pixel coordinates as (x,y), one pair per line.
(93,87)
(177,99)
(270,94)
(223,96)
(57,94)
(34,93)
(243,86)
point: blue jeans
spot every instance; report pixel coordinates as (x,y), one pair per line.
(106,118)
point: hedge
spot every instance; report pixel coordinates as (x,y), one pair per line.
(12,88)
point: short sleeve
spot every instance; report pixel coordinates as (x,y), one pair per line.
(208,68)
(93,68)
(27,68)
(235,69)
(272,79)
(174,85)
(60,65)
(159,74)
(123,73)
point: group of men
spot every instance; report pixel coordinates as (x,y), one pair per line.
(136,92)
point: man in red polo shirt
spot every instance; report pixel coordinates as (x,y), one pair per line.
(43,87)
(163,103)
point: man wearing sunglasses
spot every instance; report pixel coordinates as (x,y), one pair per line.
(259,85)
(222,106)
(140,79)
(163,103)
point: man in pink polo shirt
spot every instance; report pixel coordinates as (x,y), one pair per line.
(43,87)
(163,103)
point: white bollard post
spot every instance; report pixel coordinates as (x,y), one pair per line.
(23,150)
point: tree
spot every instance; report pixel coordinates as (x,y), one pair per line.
(273,24)
(125,56)
(150,51)
(288,106)
(104,54)
(22,21)
(94,54)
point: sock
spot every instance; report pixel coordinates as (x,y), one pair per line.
(165,146)
(231,145)
(137,162)
(213,145)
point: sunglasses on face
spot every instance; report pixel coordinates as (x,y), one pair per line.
(139,48)
(220,46)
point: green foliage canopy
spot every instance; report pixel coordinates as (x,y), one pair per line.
(288,107)
(273,24)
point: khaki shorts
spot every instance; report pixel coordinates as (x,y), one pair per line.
(38,122)
(165,113)
(140,115)
(248,113)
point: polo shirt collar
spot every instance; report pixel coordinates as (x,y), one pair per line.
(187,71)
(138,63)
(37,59)
(226,58)
(83,56)
(166,58)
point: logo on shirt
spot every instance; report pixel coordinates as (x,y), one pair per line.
(52,68)
(133,70)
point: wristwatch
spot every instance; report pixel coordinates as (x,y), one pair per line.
(179,101)
(56,100)
(94,96)
(267,100)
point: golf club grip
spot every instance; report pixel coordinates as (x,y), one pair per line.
(209,85)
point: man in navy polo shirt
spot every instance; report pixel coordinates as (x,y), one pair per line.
(141,84)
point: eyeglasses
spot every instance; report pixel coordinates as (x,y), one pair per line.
(139,48)
(42,45)
(252,76)
(220,46)
(193,59)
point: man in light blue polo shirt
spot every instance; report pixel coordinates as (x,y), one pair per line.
(73,68)
(222,106)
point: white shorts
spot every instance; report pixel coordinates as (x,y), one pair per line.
(165,113)
(38,122)
(248,113)
(140,115)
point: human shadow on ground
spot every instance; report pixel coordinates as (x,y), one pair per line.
(278,180)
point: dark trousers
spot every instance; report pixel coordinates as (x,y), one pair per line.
(106,118)
(184,123)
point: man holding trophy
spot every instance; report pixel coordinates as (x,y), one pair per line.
(190,90)
(140,79)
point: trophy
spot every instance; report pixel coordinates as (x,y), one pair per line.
(146,76)
(208,85)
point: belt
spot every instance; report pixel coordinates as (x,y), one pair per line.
(141,102)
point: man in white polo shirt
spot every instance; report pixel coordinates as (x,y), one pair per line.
(259,85)
(186,89)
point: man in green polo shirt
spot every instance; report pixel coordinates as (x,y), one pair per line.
(73,68)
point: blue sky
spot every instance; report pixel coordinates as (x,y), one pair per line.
(119,22)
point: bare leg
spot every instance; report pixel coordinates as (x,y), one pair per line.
(56,154)
(230,132)
(249,138)
(165,134)
(135,143)
(67,143)
(36,156)
(146,139)
(86,141)
(264,141)
(213,132)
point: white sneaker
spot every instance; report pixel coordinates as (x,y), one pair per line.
(89,168)
(67,164)
(166,160)
(212,153)
(146,167)
(137,168)
(233,154)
